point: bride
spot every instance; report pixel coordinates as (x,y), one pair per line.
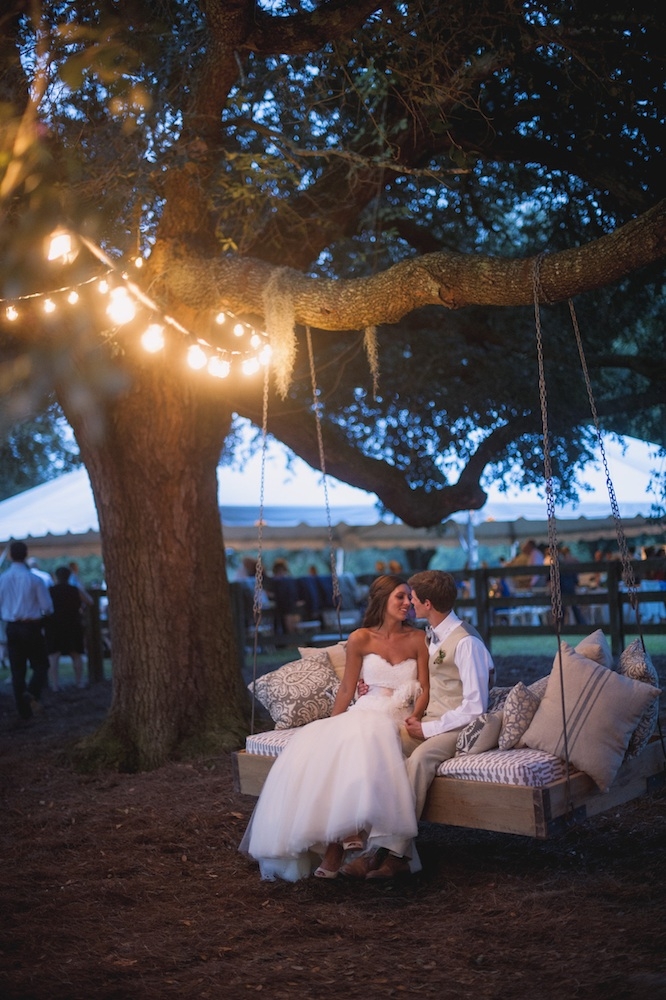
(341,782)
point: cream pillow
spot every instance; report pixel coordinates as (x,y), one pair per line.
(539,687)
(480,735)
(602,711)
(518,711)
(337,655)
(298,692)
(595,647)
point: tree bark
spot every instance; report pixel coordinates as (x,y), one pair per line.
(444,278)
(177,688)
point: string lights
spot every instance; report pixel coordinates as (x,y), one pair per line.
(125,302)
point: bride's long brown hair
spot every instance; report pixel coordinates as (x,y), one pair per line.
(380,591)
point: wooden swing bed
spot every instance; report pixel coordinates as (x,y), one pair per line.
(548,795)
(539,812)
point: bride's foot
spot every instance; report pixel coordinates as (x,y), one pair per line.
(330,863)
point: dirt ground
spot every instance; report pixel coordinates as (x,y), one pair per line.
(120,886)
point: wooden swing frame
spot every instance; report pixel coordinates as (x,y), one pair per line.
(524,810)
(517,809)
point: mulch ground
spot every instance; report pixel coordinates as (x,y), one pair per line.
(119,886)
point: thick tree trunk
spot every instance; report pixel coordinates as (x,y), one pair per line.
(176,683)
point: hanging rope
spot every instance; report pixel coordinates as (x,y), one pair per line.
(337,597)
(555,587)
(628,575)
(257,604)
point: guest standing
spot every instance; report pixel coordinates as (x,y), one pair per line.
(24,601)
(64,629)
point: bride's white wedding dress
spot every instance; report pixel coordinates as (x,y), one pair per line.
(337,777)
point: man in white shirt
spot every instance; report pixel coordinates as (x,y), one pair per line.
(34,567)
(460,675)
(24,601)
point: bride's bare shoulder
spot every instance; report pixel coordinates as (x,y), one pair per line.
(359,639)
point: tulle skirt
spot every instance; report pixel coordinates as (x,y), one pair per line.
(335,778)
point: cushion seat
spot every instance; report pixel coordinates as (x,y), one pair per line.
(533,768)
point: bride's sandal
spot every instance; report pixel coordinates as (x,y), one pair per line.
(334,856)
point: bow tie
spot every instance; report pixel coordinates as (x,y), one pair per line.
(431,635)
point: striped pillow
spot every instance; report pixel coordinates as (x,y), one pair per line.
(602,711)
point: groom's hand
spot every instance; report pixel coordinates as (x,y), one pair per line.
(361,689)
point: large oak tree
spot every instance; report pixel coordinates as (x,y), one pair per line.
(393,176)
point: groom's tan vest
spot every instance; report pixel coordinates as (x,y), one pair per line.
(445,683)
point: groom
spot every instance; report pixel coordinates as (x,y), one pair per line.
(460,671)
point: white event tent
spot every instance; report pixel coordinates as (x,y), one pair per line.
(59,517)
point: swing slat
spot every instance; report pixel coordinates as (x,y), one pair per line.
(516,809)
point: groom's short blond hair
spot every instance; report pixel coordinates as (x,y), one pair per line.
(436,586)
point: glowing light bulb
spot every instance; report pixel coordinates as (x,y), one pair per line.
(196,358)
(218,367)
(250,366)
(152,339)
(255,340)
(138,262)
(121,308)
(73,298)
(239,330)
(11,313)
(220,318)
(61,247)
(49,306)
(103,286)
(265,355)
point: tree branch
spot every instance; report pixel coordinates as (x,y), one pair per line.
(444,278)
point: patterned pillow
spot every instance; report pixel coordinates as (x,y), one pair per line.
(519,709)
(337,655)
(635,663)
(481,734)
(298,692)
(602,711)
(497,697)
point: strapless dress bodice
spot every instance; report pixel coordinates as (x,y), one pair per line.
(393,686)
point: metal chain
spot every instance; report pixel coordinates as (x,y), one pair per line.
(628,575)
(337,597)
(555,588)
(257,604)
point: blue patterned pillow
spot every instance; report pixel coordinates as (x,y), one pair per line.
(481,734)
(635,663)
(298,692)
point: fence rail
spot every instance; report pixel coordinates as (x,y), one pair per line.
(528,612)
(523,613)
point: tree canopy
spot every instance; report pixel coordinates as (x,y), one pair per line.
(388,179)
(384,158)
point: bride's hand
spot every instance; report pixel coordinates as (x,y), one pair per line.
(414,728)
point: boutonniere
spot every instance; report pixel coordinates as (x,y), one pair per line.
(441,654)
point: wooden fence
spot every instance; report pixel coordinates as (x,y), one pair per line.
(524,613)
